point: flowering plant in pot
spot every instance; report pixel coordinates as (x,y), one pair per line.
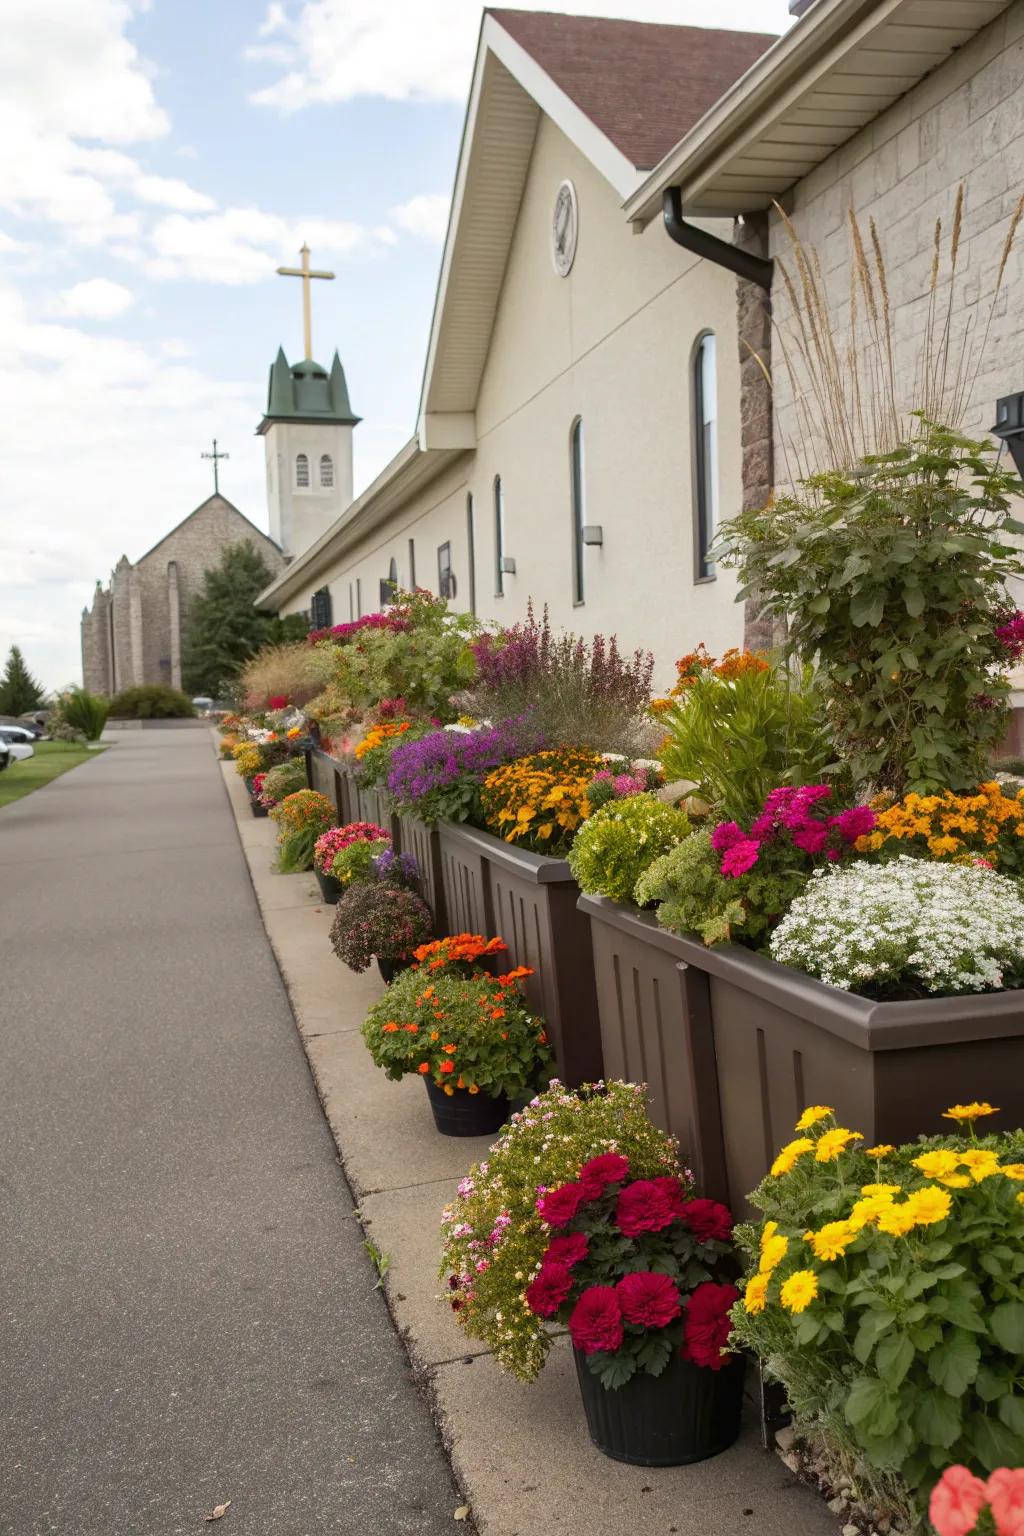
(472,1039)
(286,779)
(379,919)
(256,802)
(300,818)
(464,952)
(641,1273)
(539,802)
(337,840)
(621,779)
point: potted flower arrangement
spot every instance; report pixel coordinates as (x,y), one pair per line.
(886,1292)
(256,802)
(301,818)
(471,1038)
(280,782)
(641,1274)
(382,918)
(344,854)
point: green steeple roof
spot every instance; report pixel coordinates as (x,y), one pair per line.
(307,392)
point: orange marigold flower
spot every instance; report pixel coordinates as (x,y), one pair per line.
(449,1050)
(447,1066)
(390,1029)
(424,1066)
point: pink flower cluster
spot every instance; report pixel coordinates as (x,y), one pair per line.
(798,816)
(1011,636)
(622,785)
(959,1498)
(330,843)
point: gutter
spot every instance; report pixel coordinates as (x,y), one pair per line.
(755,269)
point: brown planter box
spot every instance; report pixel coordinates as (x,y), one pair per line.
(326,774)
(423,841)
(491,887)
(782,1040)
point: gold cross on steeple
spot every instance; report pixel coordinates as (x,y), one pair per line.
(306,274)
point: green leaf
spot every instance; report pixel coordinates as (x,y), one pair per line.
(865,1400)
(913,597)
(866,608)
(956,1309)
(1011,1412)
(994,1444)
(893,1358)
(953,1364)
(1007,1324)
(938,1419)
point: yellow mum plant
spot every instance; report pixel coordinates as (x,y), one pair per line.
(988,824)
(539,802)
(885,1290)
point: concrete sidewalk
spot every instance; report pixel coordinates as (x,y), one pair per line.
(520,1453)
(188,1313)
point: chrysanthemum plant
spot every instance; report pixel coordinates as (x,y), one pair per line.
(886,1293)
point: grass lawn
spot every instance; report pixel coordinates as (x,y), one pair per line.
(52,758)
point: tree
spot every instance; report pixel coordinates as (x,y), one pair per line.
(19,690)
(224,628)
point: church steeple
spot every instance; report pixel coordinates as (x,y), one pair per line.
(308,426)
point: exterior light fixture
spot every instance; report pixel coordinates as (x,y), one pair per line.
(508,565)
(1009,427)
(593,534)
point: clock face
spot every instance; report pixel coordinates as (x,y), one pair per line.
(564,229)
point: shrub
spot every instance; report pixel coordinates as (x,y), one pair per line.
(379,919)
(738,733)
(331,842)
(291,671)
(357,860)
(418,652)
(151,701)
(579,693)
(280,782)
(988,824)
(886,1292)
(620,841)
(438,776)
(495,1213)
(300,818)
(471,1033)
(83,711)
(892,575)
(634,1269)
(911,928)
(539,802)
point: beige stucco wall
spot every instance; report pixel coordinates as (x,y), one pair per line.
(612,343)
(298,515)
(964,123)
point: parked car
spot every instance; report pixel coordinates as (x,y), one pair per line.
(19,742)
(5,756)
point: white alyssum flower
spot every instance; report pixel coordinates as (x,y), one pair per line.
(911,926)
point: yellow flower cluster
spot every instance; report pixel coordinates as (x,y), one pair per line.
(248,759)
(947,826)
(540,801)
(377,735)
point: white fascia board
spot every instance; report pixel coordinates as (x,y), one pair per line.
(808,50)
(447,429)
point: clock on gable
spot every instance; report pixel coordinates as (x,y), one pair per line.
(565,226)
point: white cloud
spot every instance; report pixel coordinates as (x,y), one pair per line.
(425,215)
(96,299)
(406,50)
(170,192)
(243,245)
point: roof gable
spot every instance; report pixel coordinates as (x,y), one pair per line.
(204,506)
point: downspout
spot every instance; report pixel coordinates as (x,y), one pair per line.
(756,269)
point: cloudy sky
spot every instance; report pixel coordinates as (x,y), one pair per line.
(160,159)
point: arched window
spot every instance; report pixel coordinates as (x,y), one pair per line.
(471,546)
(499,538)
(578,508)
(302,472)
(705,418)
(326,472)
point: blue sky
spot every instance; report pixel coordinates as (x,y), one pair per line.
(162,157)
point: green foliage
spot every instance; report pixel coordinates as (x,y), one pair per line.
(894,577)
(283,780)
(300,817)
(83,711)
(546,1144)
(620,841)
(151,701)
(692,896)
(224,628)
(356,861)
(739,737)
(425,663)
(19,690)
(907,1358)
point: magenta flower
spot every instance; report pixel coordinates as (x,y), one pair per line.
(740,857)
(858,821)
(726,835)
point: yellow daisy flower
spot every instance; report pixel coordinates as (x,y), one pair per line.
(1013,1171)
(755,1294)
(867,1211)
(799,1290)
(937,1165)
(897,1220)
(881,1189)
(789,1154)
(928,1205)
(980,1163)
(772,1254)
(972,1111)
(882,1150)
(812,1115)
(832,1143)
(832,1240)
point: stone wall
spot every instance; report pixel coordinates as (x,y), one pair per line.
(964,123)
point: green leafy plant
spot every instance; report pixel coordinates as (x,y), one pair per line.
(496,1212)
(737,737)
(355,862)
(422,655)
(301,818)
(151,701)
(886,1292)
(471,1034)
(620,841)
(693,896)
(283,780)
(83,711)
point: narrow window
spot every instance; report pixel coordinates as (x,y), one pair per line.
(326,472)
(320,609)
(471,546)
(412,565)
(359,598)
(499,538)
(445,574)
(705,393)
(389,584)
(302,472)
(351,605)
(578,508)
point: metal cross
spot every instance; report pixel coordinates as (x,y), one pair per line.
(306,273)
(215,456)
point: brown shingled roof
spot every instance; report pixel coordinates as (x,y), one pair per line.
(644,84)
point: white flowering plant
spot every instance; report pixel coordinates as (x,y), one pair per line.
(909,928)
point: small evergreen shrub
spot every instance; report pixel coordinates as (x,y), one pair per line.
(82,711)
(151,701)
(621,841)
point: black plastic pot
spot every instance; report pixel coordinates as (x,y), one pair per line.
(330,889)
(389,969)
(255,806)
(462,1113)
(686,1414)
